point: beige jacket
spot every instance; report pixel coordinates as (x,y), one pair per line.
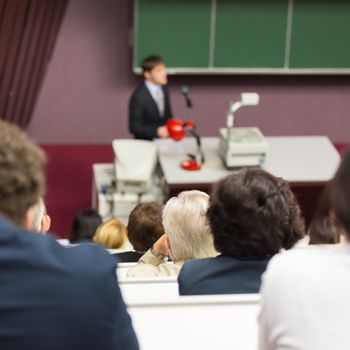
(150,265)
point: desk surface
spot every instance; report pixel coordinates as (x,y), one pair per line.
(298,159)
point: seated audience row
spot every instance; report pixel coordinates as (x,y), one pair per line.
(187,236)
(252,216)
(88,228)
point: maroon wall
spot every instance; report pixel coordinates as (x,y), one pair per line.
(85,93)
(84,97)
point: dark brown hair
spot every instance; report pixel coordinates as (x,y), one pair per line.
(85,224)
(150,62)
(340,192)
(21,173)
(145,225)
(254,214)
(324,229)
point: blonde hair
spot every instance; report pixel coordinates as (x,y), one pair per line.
(185,223)
(111,234)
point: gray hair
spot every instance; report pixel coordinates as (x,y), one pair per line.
(39,211)
(185,223)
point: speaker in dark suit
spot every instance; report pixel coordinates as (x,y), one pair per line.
(144,115)
(149,105)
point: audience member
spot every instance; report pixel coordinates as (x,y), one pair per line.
(144,228)
(85,225)
(187,236)
(41,221)
(111,234)
(323,228)
(305,293)
(252,216)
(51,297)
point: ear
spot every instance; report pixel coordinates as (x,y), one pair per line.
(147,75)
(28,219)
(169,247)
(45,223)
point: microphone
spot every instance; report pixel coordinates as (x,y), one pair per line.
(185,91)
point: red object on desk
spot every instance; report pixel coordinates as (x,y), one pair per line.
(177,130)
(190,164)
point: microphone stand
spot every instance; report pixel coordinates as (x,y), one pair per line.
(199,151)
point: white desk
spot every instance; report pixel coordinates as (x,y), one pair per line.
(215,322)
(298,159)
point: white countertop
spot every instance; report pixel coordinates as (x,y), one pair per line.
(298,159)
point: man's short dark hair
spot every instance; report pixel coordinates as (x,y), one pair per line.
(254,214)
(21,173)
(145,225)
(150,62)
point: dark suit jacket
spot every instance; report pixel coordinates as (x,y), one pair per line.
(52,297)
(131,256)
(221,275)
(144,118)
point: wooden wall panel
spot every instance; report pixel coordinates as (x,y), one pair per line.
(28,31)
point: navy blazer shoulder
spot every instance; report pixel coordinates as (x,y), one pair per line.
(221,275)
(55,297)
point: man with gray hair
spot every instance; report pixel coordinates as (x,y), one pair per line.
(187,236)
(51,297)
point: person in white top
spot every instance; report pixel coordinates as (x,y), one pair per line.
(305,295)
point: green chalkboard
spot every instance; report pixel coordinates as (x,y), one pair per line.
(177,30)
(250,33)
(321,34)
(245,36)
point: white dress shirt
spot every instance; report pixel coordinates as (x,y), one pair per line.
(157,93)
(305,301)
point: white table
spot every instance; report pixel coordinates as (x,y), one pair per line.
(300,160)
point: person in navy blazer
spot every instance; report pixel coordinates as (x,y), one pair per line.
(252,216)
(149,105)
(51,297)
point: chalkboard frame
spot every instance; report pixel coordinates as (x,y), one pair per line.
(212,70)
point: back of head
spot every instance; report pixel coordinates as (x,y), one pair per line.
(145,225)
(340,193)
(85,224)
(185,223)
(111,234)
(150,62)
(254,214)
(21,173)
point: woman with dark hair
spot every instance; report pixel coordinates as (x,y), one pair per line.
(252,216)
(84,225)
(323,228)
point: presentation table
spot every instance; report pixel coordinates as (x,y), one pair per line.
(306,162)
